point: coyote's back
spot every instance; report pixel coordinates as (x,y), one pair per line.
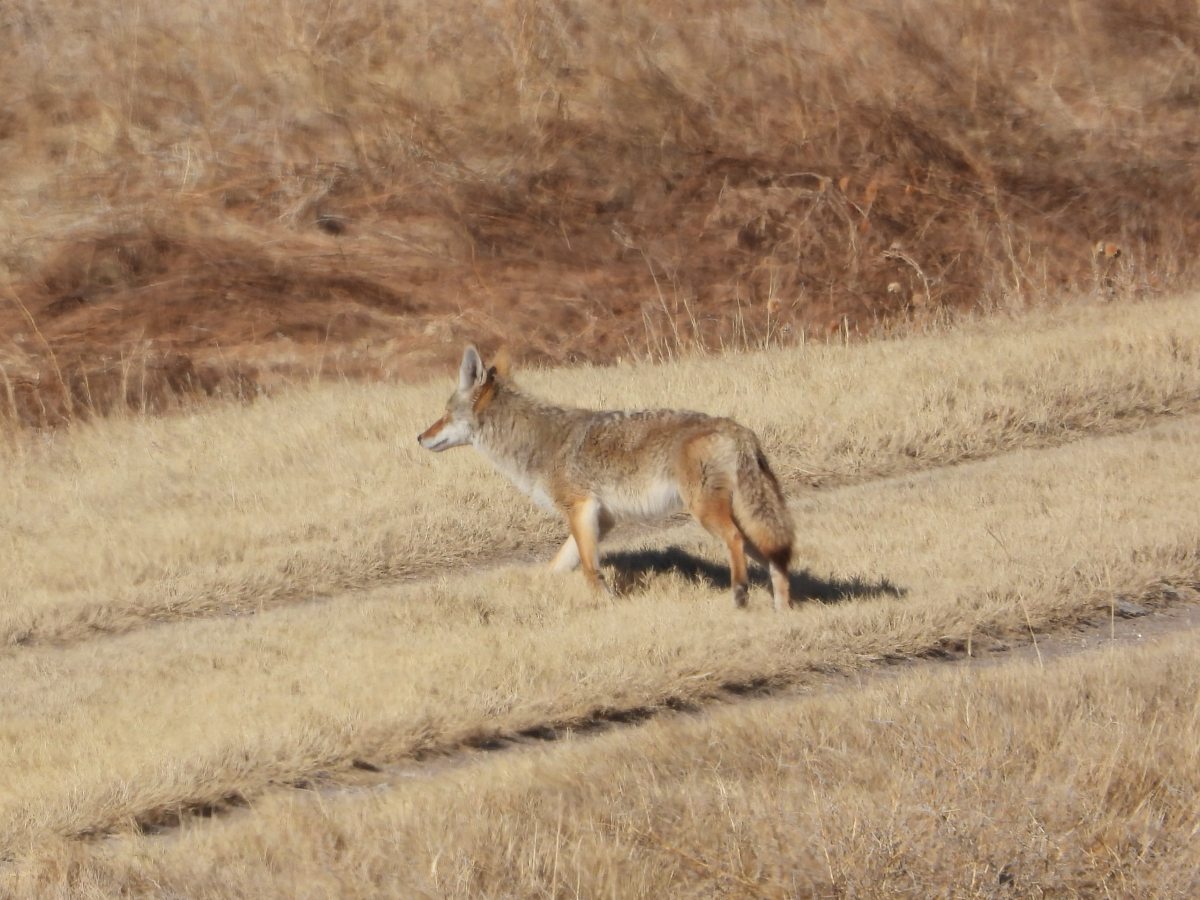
(599,468)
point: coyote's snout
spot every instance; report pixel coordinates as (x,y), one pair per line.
(599,468)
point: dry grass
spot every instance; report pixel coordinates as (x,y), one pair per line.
(107,733)
(1077,780)
(271,544)
(235,508)
(218,195)
(224,199)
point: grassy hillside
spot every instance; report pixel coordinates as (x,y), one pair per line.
(211,197)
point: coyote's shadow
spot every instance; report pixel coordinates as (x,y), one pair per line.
(634,566)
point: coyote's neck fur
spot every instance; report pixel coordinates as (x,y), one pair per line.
(524,438)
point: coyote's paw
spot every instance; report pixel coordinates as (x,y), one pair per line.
(741,595)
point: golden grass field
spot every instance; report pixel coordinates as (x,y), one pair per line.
(276,650)
(1015,780)
(236,508)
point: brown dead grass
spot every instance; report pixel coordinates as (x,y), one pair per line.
(989,483)
(1077,780)
(214,197)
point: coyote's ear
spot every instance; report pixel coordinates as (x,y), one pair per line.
(472,372)
(502,362)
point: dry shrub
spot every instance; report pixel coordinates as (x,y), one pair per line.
(584,179)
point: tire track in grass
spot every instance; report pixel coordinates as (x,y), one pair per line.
(1158,610)
(182,523)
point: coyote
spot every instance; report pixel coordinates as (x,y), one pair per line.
(601,467)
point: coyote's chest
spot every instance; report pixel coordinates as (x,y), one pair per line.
(527,481)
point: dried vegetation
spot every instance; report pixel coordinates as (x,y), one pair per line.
(1076,780)
(210,197)
(269,650)
(252,651)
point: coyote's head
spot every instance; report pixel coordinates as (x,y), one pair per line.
(476,387)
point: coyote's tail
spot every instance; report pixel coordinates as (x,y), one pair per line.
(759,507)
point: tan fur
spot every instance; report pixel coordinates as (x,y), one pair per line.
(598,468)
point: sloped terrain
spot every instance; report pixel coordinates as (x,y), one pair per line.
(216,198)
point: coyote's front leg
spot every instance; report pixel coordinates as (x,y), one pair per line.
(588,522)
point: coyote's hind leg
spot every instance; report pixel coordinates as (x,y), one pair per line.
(567,558)
(715,513)
(777,564)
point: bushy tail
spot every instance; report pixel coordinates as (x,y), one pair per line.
(759,507)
